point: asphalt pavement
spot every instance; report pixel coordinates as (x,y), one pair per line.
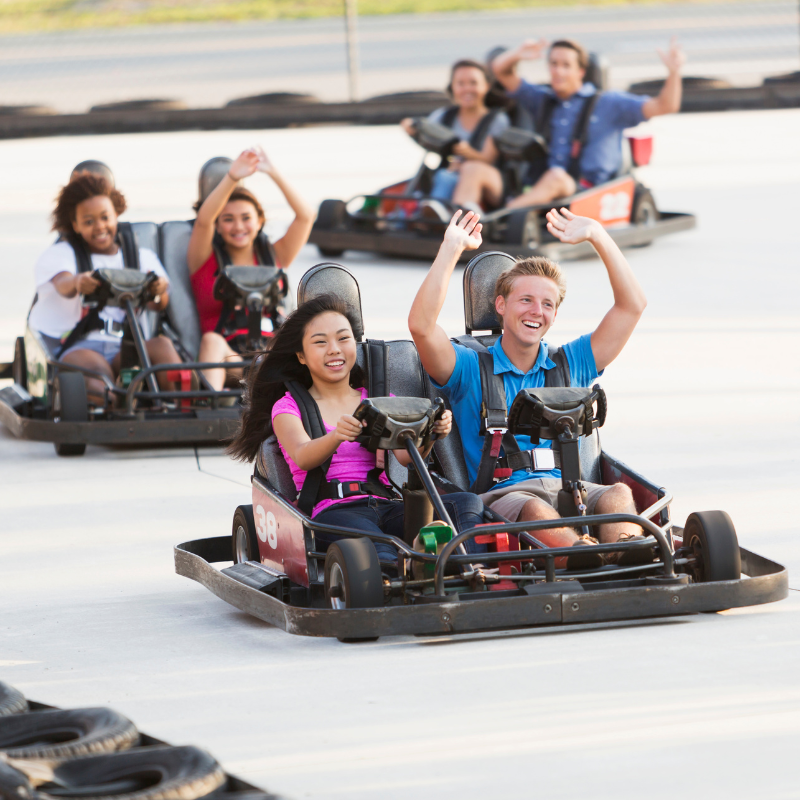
(208,64)
(703,400)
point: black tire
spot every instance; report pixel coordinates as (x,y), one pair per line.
(141,105)
(711,538)
(331,214)
(244,542)
(353,575)
(644,208)
(70,405)
(60,735)
(273,99)
(522,229)
(689,82)
(12,701)
(145,773)
(20,367)
(418,96)
(27,111)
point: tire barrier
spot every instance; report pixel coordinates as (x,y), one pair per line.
(89,753)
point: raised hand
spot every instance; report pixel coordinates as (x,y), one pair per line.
(568,228)
(264,164)
(530,50)
(674,58)
(245,165)
(464,233)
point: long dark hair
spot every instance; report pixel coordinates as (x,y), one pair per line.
(270,372)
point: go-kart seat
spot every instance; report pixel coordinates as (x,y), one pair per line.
(147,236)
(334,279)
(480,277)
(182,310)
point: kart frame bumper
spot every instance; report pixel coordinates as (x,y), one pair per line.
(765,582)
(198,427)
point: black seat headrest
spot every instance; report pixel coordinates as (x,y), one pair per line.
(328,278)
(480,277)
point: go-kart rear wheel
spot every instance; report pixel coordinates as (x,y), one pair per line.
(353,575)
(244,541)
(645,212)
(522,229)
(331,214)
(70,405)
(19,369)
(711,541)
(12,701)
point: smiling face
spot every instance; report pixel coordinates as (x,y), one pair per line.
(566,74)
(529,309)
(329,348)
(96,223)
(239,224)
(469,87)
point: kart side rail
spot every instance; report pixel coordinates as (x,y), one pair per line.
(765,582)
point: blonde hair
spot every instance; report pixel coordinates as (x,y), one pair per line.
(536,266)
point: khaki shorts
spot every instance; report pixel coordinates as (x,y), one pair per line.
(510,500)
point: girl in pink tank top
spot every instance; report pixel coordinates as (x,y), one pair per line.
(316,347)
(234,213)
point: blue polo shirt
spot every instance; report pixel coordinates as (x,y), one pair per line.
(463,390)
(601,158)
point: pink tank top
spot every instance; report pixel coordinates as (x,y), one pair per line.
(350,462)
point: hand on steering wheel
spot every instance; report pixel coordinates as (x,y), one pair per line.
(443,425)
(348,428)
(85,284)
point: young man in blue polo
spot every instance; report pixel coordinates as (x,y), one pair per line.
(527,300)
(583,127)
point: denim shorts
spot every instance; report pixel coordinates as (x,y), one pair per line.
(444,184)
(108,348)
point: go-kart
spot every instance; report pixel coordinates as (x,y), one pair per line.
(284,575)
(47,400)
(401,220)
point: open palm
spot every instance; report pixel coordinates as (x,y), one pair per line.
(465,232)
(568,228)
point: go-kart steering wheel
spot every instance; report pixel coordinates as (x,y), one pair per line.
(392,422)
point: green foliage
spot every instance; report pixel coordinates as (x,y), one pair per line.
(42,15)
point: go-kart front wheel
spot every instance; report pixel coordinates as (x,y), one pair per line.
(353,575)
(70,405)
(20,367)
(713,545)
(244,542)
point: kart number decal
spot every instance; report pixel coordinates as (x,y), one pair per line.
(272,530)
(261,527)
(615,205)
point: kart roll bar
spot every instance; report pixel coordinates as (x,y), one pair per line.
(552,553)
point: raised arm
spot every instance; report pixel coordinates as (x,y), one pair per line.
(505,65)
(618,324)
(669,98)
(200,242)
(290,244)
(433,344)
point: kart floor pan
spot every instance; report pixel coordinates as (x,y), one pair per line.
(766,582)
(413,245)
(204,426)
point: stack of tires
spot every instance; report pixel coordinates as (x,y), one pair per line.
(48,753)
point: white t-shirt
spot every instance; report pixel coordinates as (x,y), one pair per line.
(56,315)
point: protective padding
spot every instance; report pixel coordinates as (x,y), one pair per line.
(182,310)
(272,465)
(147,237)
(480,277)
(337,280)
(124,280)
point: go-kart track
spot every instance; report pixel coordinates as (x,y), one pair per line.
(703,400)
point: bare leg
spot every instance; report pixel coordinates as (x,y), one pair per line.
(95,388)
(555,183)
(617,500)
(536,509)
(214,348)
(478,182)
(162,351)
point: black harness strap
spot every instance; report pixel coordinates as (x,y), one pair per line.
(477,138)
(126,239)
(580,133)
(494,419)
